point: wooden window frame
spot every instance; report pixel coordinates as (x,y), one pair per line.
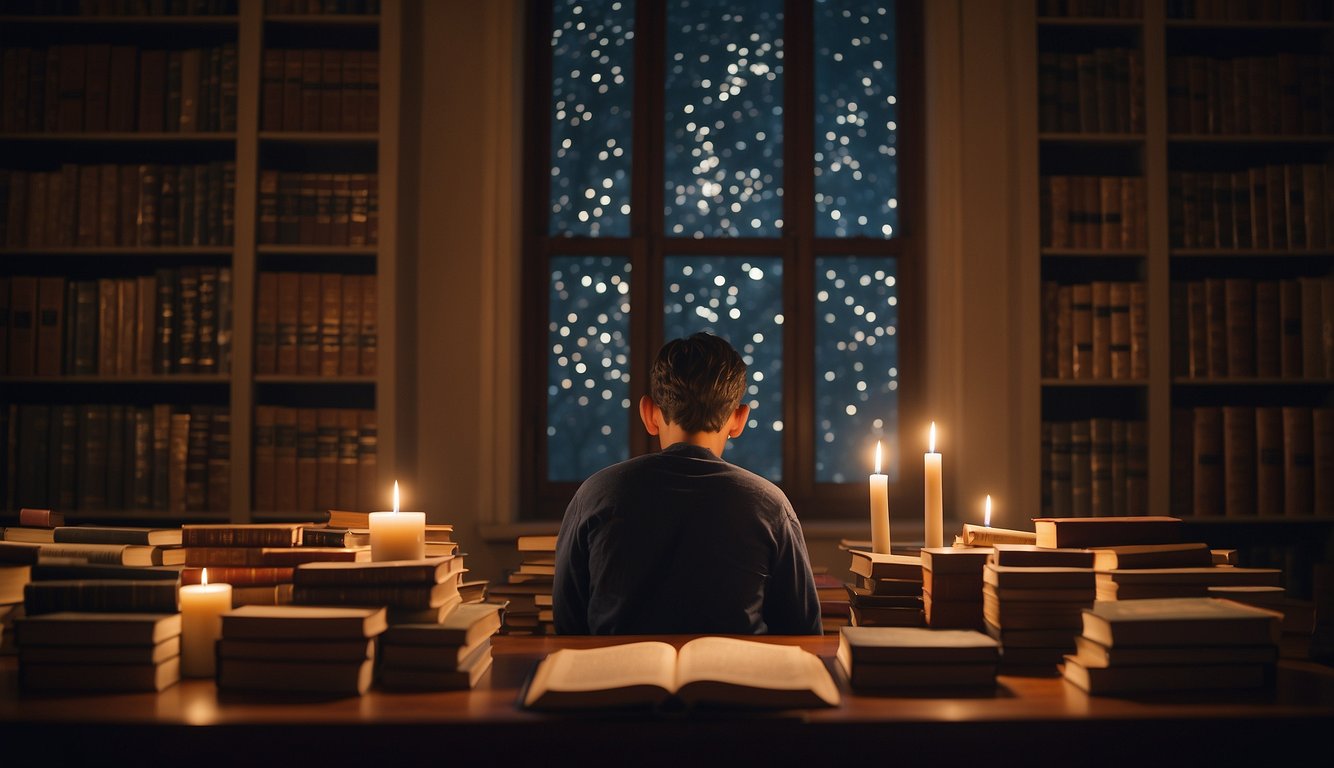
(797,245)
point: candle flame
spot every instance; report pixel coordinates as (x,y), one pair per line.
(931,445)
(877,457)
(986,519)
(203,577)
(395,496)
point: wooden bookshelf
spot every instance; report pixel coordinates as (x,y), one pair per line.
(240,389)
(1160,151)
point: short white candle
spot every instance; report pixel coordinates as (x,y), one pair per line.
(879,507)
(935,496)
(398,535)
(202,606)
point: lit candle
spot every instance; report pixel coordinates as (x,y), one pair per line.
(398,535)
(935,512)
(202,606)
(985,536)
(879,507)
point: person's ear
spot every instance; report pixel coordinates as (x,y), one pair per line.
(737,423)
(650,414)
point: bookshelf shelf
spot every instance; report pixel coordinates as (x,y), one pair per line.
(180,378)
(323,19)
(1089,21)
(1092,253)
(200,137)
(316,137)
(324,381)
(1250,382)
(1092,383)
(187,22)
(1129,139)
(124,250)
(319,250)
(1251,139)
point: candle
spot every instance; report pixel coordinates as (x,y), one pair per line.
(984,535)
(202,606)
(398,535)
(879,507)
(935,513)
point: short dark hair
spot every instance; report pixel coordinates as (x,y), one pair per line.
(698,382)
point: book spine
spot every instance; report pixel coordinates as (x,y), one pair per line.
(161,456)
(100,596)
(1239,297)
(265,459)
(1208,461)
(348,435)
(1081,302)
(326,458)
(367,463)
(115,471)
(1120,339)
(1312,334)
(23,308)
(1081,469)
(219,478)
(1269,461)
(1290,326)
(178,457)
(308,341)
(331,316)
(224,536)
(1268,337)
(50,325)
(307,458)
(1239,461)
(1298,461)
(1322,458)
(285,459)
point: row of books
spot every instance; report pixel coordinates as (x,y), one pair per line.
(320,90)
(1271,206)
(319,208)
(90,206)
(1245,460)
(1092,212)
(119,7)
(1095,330)
(173,321)
(101,87)
(1248,10)
(1094,468)
(1121,9)
(1287,94)
(315,324)
(312,459)
(94,457)
(321,7)
(1096,92)
(1241,327)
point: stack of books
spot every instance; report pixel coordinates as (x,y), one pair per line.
(887,591)
(1140,571)
(1032,600)
(527,590)
(895,657)
(834,604)
(451,654)
(952,586)
(353,530)
(257,559)
(96,651)
(16,563)
(300,649)
(109,545)
(414,591)
(1173,644)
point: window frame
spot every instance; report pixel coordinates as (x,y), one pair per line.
(647,247)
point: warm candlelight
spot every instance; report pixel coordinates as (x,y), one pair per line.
(202,606)
(398,535)
(935,512)
(985,536)
(879,507)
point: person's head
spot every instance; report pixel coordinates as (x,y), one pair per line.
(695,389)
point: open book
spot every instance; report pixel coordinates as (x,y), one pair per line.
(720,671)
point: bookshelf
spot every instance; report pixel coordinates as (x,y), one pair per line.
(251,28)
(1167,38)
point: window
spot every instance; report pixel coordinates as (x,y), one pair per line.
(736,166)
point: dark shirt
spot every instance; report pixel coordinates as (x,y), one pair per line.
(682,542)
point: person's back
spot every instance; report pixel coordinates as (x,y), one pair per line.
(681,541)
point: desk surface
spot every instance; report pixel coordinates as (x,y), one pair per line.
(1022,713)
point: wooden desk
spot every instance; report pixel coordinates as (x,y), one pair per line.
(1029,721)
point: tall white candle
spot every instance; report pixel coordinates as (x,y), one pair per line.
(202,606)
(986,516)
(879,507)
(398,535)
(935,496)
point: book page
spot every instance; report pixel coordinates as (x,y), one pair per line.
(753,664)
(601,669)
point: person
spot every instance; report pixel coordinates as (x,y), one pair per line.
(681,541)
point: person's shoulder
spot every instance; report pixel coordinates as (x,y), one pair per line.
(613,476)
(768,496)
